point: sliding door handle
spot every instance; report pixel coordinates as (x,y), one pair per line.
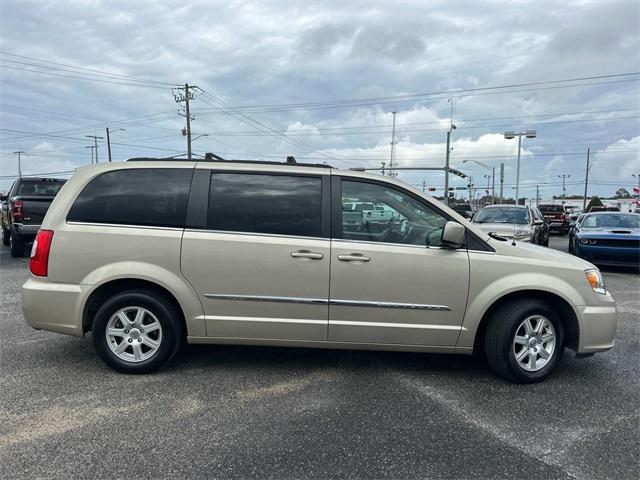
(307,254)
(353,257)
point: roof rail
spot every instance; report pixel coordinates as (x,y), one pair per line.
(212,157)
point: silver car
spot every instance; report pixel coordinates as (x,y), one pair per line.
(149,254)
(516,222)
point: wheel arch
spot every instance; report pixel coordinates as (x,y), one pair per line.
(112,287)
(567,315)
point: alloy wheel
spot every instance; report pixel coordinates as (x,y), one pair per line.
(133,334)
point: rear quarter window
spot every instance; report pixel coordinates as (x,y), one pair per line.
(149,197)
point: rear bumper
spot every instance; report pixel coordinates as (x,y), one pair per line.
(26,230)
(597,327)
(53,306)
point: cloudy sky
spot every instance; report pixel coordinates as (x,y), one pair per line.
(319,80)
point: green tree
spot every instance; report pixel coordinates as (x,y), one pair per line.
(594,202)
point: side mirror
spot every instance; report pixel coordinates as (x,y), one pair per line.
(572,225)
(3,198)
(453,235)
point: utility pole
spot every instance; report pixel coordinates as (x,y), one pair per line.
(382,170)
(185,97)
(95,144)
(92,147)
(392,172)
(19,152)
(537,195)
(108,145)
(564,176)
(446,164)
(424,186)
(586,182)
(501,181)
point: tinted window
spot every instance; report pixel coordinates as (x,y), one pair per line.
(400,218)
(256,203)
(155,197)
(48,187)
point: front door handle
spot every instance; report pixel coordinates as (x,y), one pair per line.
(307,254)
(353,257)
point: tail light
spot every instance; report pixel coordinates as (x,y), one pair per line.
(39,264)
(16,210)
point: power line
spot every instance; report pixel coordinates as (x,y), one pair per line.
(93,71)
(445,93)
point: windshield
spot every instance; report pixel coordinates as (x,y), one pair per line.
(502,215)
(39,188)
(611,220)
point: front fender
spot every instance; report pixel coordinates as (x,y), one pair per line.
(483,297)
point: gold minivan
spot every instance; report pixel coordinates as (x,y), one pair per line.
(149,254)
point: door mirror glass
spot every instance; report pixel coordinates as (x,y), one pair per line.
(453,235)
(3,198)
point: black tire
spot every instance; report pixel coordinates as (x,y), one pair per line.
(6,237)
(16,244)
(501,332)
(173,334)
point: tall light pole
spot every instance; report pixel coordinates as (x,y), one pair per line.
(109,140)
(564,190)
(493,177)
(586,182)
(392,158)
(509,136)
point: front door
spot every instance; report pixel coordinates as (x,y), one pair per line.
(261,265)
(392,282)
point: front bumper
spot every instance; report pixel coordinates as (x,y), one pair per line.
(618,256)
(53,306)
(597,326)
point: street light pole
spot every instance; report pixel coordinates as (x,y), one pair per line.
(586,182)
(501,181)
(509,136)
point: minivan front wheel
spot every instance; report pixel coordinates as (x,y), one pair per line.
(524,341)
(137,331)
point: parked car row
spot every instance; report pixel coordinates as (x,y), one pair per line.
(24,208)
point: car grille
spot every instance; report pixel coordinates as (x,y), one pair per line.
(618,242)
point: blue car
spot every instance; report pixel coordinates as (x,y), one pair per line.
(607,238)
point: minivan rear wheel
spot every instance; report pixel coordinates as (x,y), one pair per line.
(137,331)
(524,341)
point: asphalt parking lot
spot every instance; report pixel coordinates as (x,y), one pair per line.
(220,412)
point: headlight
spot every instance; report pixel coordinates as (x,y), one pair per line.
(522,233)
(584,241)
(594,277)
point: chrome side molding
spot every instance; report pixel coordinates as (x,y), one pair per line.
(322,301)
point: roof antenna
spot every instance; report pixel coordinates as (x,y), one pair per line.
(291,160)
